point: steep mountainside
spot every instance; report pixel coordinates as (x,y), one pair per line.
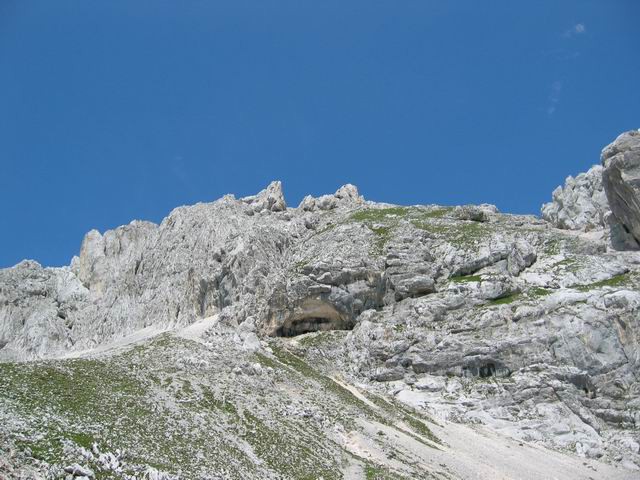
(340,339)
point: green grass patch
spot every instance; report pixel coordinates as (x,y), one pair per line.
(266,361)
(463,234)
(330,338)
(346,397)
(383,235)
(615,281)
(171,415)
(303,368)
(414,419)
(438,212)
(375,472)
(465,278)
(287,450)
(565,262)
(552,246)
(379,214)
(381,222)
(538,292)
(210,401)
(111,402)
(506,300)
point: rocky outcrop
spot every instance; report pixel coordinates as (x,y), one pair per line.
(37,309)
(581,204)
(477,213)
(604,197)
(347,195)
(621,180)
(270,199)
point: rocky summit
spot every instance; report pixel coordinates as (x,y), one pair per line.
(343,338)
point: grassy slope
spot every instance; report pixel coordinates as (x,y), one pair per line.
(191,418)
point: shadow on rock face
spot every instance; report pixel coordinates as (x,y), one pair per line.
(620,236)
(485,369)
(312,315)
(307,325)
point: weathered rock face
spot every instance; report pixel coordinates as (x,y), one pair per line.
(473,315)
(270,199)
(581,204)
(198,261)
(37,306)
(621,180)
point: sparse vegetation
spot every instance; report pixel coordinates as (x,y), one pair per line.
(379,214)
(381,222)
(565,263)
(326,228)
(383,235)
(462,234)
(538,292)
(466,278)
(322,339)
(506,300)
(375,472)
(437,212)
(615,281)
(391,413)
(115,404)
(413,418)
(298,266)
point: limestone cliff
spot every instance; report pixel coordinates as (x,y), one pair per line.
(340,339)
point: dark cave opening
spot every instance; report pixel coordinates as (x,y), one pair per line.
(488,370)
(584,383)
(308,325)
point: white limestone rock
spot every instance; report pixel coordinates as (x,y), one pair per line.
(581,204)
(345,196)
(270,199)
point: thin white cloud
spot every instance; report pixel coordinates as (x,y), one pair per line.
(577,29)
(181,173)
(554,97)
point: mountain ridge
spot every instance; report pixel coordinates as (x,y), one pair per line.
(379,334)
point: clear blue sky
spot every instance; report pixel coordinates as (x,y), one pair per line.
(118,110)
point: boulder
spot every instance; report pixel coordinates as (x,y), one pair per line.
(79,471)
(474,213)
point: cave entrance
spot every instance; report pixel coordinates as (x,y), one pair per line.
(584,383)
(308,325)
(488,370)
(312,315)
